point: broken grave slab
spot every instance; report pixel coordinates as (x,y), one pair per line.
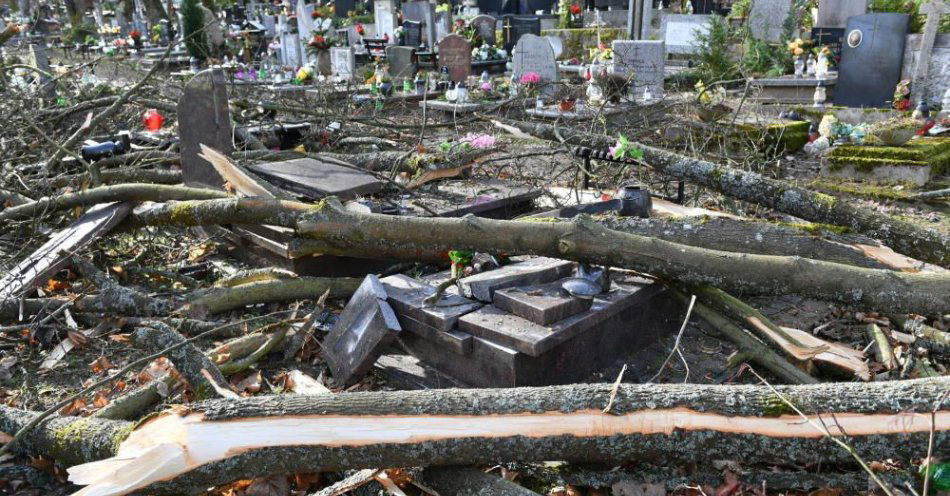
(366,325)
(499,326)
(316,179)
(406,295)
(457,342)
(544,304)
(654,315)
(538,270)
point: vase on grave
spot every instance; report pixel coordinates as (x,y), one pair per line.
(799,67)
(811,67)
(821,95)
(821,67)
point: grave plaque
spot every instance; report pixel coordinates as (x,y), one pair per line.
(534,54)
(680,30)
(422,12)
(835,13)
(534,271)
(485,25)
(833,38)
(516,27)
(406,295)
(543,305)
(385,14)
(204,118)
(871,60)
(455,53)
(342,62)
(767,18)
(412,34)
(315,179)
(642,62)
(39,59)
(402,61)
(366,325)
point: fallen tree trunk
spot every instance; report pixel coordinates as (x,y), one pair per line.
(337,231)
(765,238)
(929,245)
(214,442)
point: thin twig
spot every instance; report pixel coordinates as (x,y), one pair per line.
(676,345)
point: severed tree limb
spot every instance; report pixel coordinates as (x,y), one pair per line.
(337,231)
(217,300)
(230,439)
(883,352)
(111,176)
(929,245)
(468,481)
(933,339)
(200,372)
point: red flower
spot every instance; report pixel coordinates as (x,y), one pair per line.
(316,14)
(360,29)
(575,9)
(135,33)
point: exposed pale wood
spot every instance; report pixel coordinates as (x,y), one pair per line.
(883,352)
(237,178)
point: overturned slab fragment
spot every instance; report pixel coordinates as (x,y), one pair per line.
(533,339)
(534,271)
(406,295)
(366,325)
(544,304)
(317,179)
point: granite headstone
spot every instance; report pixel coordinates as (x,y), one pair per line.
(871,59)
(423,12)
(835,13)
(342,62)
(204,118)
(412,33)
(455,53)
(643,63)
(485,24)
(534,54)
(343,7)
(680,30)
(402,61)
(443,25)
(767,19)
(516,27)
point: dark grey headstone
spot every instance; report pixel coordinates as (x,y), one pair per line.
(343,7)
(412,36)
(643,63)
(515,27)
(491,6)
(534,54)
(39,58)
(871,60)
(204,118)
(485,25)
(833,38)
(423,12)
(366,325)
(544,304)
(406,295)
(315,179)
(534,271)
(457,342)
(402,61)
(455,53)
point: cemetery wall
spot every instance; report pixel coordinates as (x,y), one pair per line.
(939,64)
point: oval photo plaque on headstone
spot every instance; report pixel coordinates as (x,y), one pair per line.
(854,38)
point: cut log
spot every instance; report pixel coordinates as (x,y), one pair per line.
(218,441)
(337,231)
(468,481)
(929,245)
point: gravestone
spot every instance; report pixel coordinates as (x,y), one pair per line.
(270,26)
(443,25)
(315,179)
(543,304)
(365,326)
(485,25)
(643,63)
(680,30)
(833,38)
(349,36)
(412,34)
(538,270)
(534,54)
(384,12)
(204,118)
(516,27)
(640,19)
(402,62)
(934,10)
(342,62)
(406,296)
(835,13)
(493,7)
(767,18)
(343,7)
(423,12)
(39,59)
(871,60)
(455,53)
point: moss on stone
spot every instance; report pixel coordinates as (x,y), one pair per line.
(876,191)
(826,200)
(922,152)
(781,137)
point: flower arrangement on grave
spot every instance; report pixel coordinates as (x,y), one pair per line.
(601,54)
(109,30)
(902,95)
(136,36)
(530,82)
(360,29)
(896,131)
(569,13)
(624,149)
(318,43)
(486,52)
(400,34)
(443,7)
(156,33)
(798,48)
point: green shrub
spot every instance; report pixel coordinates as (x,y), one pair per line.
(717,62)
(192,19)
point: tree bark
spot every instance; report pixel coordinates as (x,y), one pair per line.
(218,441)
(202,374)
(217,300)
(468,481)
(929,245)
(336,231)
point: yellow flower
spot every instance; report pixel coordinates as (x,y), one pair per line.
(791,45)
(798,41)
(799,51)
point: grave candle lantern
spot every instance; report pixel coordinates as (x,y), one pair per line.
(153,120)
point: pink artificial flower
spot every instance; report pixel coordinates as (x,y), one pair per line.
(478,140)
(486,86)
(612,150)
(530,78)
